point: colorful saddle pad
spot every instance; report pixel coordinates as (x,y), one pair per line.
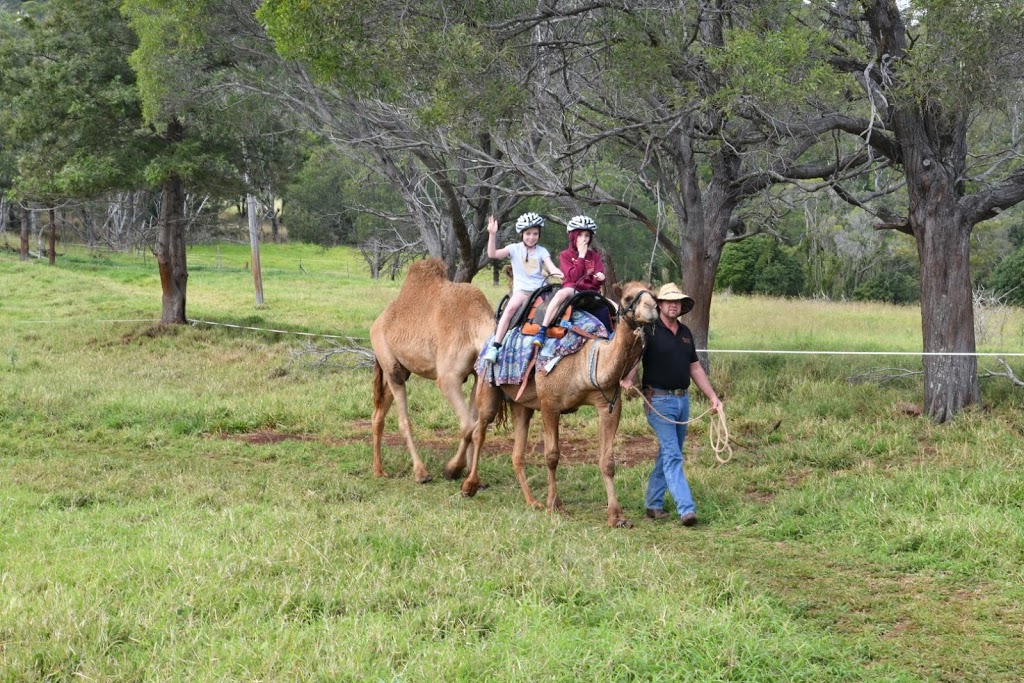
(514,355)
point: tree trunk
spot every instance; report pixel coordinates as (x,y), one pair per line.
(701,240)
(274,229)
(12,219)
(698,259)
(90,233)
(53,237)
(933,153)
(254,246)
(464,272)
(170,252)
(26,224)
(947,314)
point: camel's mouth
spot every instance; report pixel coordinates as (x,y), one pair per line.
(642,309)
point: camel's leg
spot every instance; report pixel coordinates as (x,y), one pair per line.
(521,416)
(451,387)
(382,404)
(488,402)
(551,419)
(419,470)
(609,426)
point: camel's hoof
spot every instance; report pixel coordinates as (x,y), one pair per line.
(536,505)
(622,524)
(380,474)
(453,474)
(423,479)
(469,490)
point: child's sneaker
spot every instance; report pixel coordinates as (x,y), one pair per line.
(492,354)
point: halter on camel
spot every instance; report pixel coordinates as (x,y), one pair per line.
(638,336)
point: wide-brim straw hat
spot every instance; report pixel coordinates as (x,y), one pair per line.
(670,292)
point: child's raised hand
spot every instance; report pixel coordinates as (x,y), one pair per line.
(492,225)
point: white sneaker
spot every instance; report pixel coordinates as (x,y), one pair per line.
(492,354)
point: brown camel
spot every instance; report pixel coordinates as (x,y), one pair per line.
(590,376)
(435,328)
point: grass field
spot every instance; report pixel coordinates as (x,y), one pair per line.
(196,504)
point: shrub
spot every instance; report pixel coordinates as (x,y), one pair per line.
(318,211)
(1016,235)
(760,265)
(891,286)
(1008,278)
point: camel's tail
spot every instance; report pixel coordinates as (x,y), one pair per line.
(379,387)
(501,415)
(502,418)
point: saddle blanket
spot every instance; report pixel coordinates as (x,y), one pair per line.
(514,355)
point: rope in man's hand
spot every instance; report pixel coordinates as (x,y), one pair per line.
(718,431)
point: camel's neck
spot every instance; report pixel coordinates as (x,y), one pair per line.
(618,356)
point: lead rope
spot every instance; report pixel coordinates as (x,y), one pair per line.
(718,430)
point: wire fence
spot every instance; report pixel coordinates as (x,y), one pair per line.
(347,337)
(238,262)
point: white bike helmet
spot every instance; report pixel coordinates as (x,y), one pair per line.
(529,220)
(581,223)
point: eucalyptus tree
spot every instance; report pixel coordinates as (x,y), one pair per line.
(423,90)
(209,140)
(704,105)
(70,105)
(936,73)
(7,165)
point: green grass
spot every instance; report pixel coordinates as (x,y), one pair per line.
(143,538)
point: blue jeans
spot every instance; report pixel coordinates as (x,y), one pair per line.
(668,468)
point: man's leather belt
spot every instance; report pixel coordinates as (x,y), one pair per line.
(668,392)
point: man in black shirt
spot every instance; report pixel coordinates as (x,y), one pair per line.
(669,364)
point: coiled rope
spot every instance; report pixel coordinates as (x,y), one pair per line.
(718,430)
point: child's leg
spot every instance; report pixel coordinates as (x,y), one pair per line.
(515,302)
(560,297)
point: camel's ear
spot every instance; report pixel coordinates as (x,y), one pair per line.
(616,291)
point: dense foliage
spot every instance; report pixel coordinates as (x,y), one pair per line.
(760,266)
(334,201)
(1008,278)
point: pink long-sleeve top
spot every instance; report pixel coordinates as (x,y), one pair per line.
(579,272)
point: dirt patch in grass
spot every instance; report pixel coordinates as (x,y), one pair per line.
(630,451)
(759,496)
(265,438)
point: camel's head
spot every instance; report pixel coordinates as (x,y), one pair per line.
(638,305)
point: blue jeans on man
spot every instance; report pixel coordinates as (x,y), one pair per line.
(668,471)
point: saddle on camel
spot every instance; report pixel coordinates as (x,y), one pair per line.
(581,317)
(591,376)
